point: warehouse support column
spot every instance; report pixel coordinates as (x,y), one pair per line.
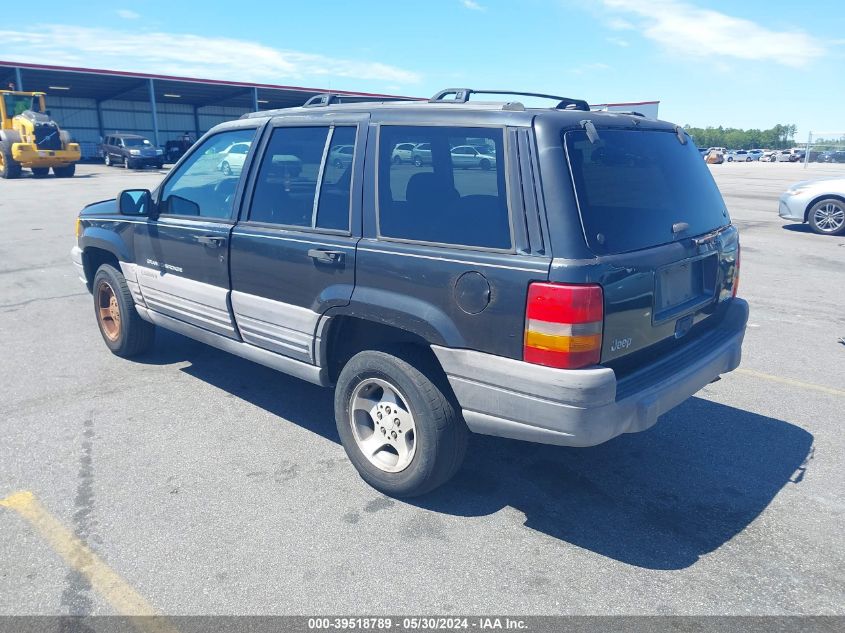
(100,120)
(155,114)
(18,80)
(197,122)
(255,99)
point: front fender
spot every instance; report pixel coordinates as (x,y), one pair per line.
(107,240)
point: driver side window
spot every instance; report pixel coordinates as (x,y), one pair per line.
(205,184)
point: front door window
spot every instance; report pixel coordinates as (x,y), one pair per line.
(205,184)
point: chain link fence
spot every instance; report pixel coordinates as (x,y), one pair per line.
(825,147)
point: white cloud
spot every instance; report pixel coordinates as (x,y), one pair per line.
(126,14)
(473,5)
(685,29)
(186,55)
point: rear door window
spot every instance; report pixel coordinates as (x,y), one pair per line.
(444,197)
(634,186)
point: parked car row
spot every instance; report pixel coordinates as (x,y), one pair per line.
(481,156)
(718,155)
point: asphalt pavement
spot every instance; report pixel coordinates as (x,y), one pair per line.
(206,484)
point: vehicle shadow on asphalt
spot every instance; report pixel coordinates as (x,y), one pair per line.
(659,499)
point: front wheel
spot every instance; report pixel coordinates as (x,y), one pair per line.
(418,162)
(107,160)
(125,333)
(226,168)
(397,422)
(827,217)
(9,167)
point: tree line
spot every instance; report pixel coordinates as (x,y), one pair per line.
(778,137)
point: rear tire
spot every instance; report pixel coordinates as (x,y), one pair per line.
(485,164)
(65,172)
(40,172)
(125,333)
(418,162)
(107,160)
(427,445)
(9,167)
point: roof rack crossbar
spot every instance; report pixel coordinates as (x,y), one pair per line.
(462,95)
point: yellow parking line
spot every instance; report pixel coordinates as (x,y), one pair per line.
(789,381)
(108,583)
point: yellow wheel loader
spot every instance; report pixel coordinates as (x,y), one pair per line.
(30,138)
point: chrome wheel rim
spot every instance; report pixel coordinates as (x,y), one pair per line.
(829,216)
(382,425)
(108,311)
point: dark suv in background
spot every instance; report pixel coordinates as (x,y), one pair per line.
(131,151)
(575,287)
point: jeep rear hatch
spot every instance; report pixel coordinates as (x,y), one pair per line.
(654,217)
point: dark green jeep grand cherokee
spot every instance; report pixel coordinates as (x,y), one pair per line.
(546,274)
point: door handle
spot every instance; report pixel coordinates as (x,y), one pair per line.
(322,256)
(211,241)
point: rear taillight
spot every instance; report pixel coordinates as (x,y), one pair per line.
(563,325)
(736,272)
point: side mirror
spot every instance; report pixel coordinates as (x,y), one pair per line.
(137,202)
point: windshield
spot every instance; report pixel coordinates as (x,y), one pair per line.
(633,186)
(16,104)
(136,142)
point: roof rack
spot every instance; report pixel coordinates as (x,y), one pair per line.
(331,98)
(462,95)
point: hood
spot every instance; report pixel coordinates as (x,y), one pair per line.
(827,185)
(100,208)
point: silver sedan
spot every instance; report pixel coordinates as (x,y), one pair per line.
(821,203)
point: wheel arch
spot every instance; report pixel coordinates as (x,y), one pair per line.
(95,253)
(342,335)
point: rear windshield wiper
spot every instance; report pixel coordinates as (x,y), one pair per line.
(590,129)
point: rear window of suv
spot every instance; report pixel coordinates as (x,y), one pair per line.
(633,186)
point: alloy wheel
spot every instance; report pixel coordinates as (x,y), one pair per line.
(829,217)
(382,425)
(108,311)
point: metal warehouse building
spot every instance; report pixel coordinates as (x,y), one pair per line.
(91,103)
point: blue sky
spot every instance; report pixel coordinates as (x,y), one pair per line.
(744,64)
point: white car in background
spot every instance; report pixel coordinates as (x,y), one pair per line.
(233,157)
(403,153)
(341,156)
(739,156)
(468,156)
(820,203)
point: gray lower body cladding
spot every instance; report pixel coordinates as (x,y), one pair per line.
(584,407)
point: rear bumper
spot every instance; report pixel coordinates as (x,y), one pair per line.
(584,407)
